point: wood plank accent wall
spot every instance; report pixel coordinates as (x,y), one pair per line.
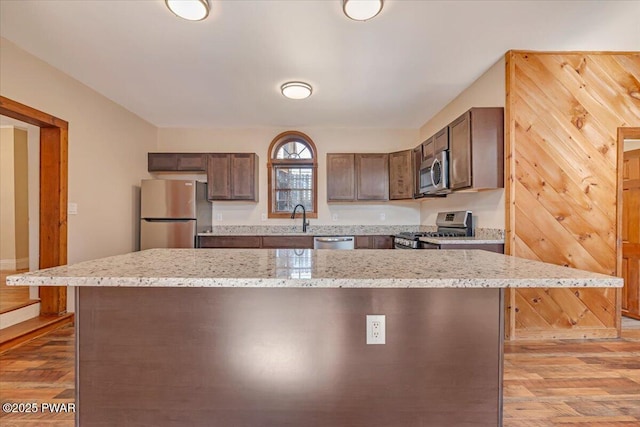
(563,111)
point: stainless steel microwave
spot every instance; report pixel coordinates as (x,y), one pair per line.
(434,174)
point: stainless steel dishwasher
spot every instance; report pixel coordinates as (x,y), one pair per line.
(334,242)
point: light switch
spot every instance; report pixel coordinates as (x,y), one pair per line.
(72,209)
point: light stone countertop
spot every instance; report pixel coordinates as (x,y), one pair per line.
(461,240)
(291,268)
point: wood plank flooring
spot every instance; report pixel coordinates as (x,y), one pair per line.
(565,383)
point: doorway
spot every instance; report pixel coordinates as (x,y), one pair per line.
(53,196)
(629,220)
(19,193)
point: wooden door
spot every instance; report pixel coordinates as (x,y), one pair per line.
(460,154)
(341,177)
(631,234)
(243,174)
(400,175)
(372,176)
(218,176)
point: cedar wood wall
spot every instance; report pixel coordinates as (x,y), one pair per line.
(563,112)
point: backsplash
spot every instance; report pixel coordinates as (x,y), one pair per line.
(334,230)
(480,233)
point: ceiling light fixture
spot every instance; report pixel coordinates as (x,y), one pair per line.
(191,10)
(361,10)
(296,90)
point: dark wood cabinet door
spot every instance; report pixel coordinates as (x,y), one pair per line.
(372,176)
(218,176)
(374,242)
(382,242)
(196,162)
(401,175)
(363,242)
(460,154)
(428,148)
(441,140)
(162,162)
(243,176)
(287,242)
(341,177)
(238,242)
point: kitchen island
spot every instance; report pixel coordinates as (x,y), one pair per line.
(260,337)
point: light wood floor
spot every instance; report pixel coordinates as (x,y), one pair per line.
(12,297)
(553,383)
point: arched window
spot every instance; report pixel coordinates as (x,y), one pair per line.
(293,177)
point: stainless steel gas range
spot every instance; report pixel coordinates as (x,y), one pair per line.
(450,224)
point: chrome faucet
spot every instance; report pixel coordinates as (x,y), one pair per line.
(305,223)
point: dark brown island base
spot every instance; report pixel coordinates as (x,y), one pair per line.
(212,337)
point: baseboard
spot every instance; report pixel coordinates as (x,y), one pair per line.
(564,334)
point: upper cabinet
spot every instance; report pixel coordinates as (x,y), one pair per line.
(232,176)
(176,162)
(341,177)
(476,144)
(401,177)
(372,176)
(353,177)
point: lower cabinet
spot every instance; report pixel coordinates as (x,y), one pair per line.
(285,242)
(374,242)
(491,247)
(239,242)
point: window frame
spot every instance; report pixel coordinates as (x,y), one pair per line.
(273,163)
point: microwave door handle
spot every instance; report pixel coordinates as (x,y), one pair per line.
(431,172)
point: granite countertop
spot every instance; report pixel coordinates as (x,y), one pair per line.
(461,240)
(291,268)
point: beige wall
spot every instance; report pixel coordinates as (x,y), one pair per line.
(326,140)
(488,207)
(21,196)
(14,211)
(107,153)
(7,200)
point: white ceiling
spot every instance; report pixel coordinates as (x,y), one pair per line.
(395,71)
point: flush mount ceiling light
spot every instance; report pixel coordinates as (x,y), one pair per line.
(296,90)
(361,10)
(191,10)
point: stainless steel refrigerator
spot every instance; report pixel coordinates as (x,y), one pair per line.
(172,212)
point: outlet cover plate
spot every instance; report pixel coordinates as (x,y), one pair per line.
(376,329)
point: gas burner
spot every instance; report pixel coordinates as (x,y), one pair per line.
(450,224)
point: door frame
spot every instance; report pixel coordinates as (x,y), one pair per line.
(54,142)
(623,133)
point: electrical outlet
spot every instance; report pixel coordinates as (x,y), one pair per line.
(383,216)
(376,329)
(263,217)
(218,217)
(334,217)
